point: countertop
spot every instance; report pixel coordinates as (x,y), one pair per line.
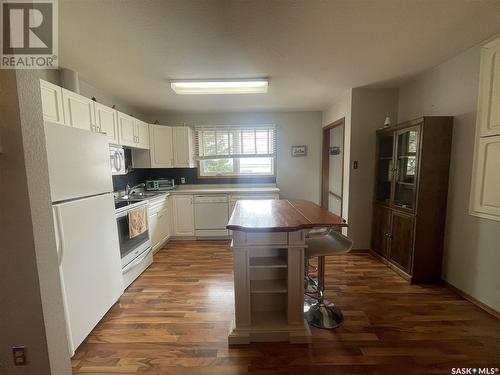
(280,216)
(228,189)
(206,189)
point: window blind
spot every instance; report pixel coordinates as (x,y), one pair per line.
(219,142)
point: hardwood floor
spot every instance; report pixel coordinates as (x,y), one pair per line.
(174,319)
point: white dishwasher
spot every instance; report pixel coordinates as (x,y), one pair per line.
(211,215)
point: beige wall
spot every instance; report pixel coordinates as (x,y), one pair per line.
(30,292)
(364,111)
(89,91)
(472,245)
(297,177)
(369,109)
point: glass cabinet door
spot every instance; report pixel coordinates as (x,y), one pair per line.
(385,167)
(406,167)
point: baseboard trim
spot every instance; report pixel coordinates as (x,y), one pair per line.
(393,267)
(468,297)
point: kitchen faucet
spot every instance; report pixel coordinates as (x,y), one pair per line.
(129,189)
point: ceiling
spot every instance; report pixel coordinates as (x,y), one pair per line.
(312,51)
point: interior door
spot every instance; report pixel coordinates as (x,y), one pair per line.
(381,230)
(332,169)
(401,245)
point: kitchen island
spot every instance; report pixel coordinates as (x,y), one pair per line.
(268,245)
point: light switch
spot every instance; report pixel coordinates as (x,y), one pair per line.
(19,354)
(355,164)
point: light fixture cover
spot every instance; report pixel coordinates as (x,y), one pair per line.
(220,86)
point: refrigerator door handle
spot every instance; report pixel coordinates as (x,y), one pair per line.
(59,234)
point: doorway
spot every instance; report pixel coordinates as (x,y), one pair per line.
(332,168)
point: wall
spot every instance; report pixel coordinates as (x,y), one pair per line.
(89,91)
(30,291)
(369,109)
(472,251)
(364,111)
(297,177)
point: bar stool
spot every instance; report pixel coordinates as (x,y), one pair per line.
(324,314)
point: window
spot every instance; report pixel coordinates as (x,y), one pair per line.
(236,150)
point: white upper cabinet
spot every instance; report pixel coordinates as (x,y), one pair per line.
(78,110)
(485,189)
(125,129)
(68,108)
(141,130)
(52,102)
(183,147)
(488,117)
(106,122)
(183,215)
(132,132)
(161,146)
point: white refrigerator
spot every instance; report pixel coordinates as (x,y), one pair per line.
(86,233)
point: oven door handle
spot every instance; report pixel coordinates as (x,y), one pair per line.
(136,261)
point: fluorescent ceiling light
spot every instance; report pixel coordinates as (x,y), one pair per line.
(241,86)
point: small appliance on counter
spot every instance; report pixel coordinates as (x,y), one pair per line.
(161,184)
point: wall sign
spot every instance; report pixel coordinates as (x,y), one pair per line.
(299,150)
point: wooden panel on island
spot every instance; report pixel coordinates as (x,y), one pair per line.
(268,245)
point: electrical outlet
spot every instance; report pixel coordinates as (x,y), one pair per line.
(183,180)
(19,354)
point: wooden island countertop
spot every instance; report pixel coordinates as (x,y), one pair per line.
(280,216)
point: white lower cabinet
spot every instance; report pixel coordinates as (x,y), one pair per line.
(183,215)
(160,222)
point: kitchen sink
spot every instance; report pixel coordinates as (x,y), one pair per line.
(137,196)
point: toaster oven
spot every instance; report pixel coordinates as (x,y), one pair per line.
(160,185)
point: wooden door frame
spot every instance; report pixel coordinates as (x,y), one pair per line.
(325,163)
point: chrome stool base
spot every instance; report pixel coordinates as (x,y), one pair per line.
(311,285)
(324,315)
